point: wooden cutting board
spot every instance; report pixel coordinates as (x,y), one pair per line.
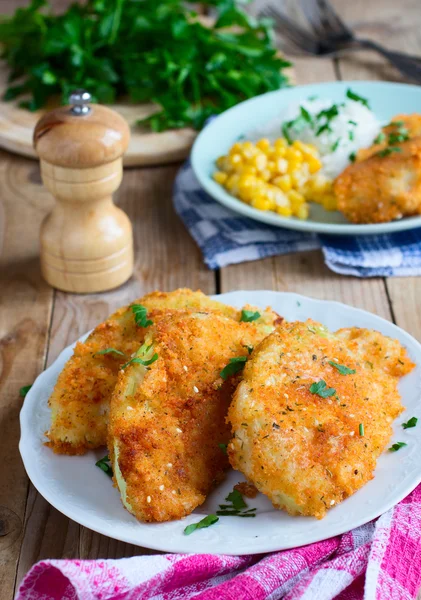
(145,148)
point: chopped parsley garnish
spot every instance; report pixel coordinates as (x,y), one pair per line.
(236,508)
(140,361)
(361,429)
(110,351)
(335,145)
(285,132)
(305,114)
(351,135)
(397,446)
(24,390)
(389,150)
(236,499)
(249,349)
(353,96)
(322,128)
(234,366)
(411,423)
(140,315)
(223,447)
(380,138)
(104,464)
(343,370)
(321,390)
(205,522)
(352,122)
(397,123)
(400,136)
(249,315)
(352,156)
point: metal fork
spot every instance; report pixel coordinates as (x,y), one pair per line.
(333,36)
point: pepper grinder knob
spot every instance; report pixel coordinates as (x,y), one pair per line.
(86,241)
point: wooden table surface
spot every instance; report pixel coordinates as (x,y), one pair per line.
(37,322)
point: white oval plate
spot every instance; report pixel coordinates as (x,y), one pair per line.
(386,100)
(76,487)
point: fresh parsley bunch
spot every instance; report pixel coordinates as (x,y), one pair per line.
(146,50)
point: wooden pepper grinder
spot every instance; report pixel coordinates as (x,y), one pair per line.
(86,241)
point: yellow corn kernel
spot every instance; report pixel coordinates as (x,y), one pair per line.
(232,183)
(234,160)
(263,144)
(329,202)
(302,211)
(259,161)
(314,164)
(283,182)
(262,202)
(284,211)
(220,177)
(236,148)
(221,162)
(265,175)
(292,154)
(280,144)
(320,184)
(295,198)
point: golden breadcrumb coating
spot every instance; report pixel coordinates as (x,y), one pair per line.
(168,418)
(80,400)
(304,451)
(377,188)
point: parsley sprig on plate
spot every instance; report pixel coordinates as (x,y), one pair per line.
(148,51)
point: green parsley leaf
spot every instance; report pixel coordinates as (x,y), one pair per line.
(236,499)
(285,132)
(361,429)
(24,390)
(397,123)
(110,351)
(140,315)
(249,349)
(234,366)
(321,390)
(353,96)
(205,522)
(140,361)
(249,315)
(343,370)
(352,122)
(397,446)
(223,448)
(335,145)
(352,156)
(104,464)
(411,423)
(380,138)
(389,150)
(145,50)
(396,138)
(305,114)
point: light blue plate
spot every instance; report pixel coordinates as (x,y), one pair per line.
(386,100)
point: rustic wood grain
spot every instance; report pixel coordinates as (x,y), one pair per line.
(25,307)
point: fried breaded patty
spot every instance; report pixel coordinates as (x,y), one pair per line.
(167,418)
(306,434)
(378,188)
(80,400)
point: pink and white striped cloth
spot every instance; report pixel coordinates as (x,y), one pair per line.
(378,561)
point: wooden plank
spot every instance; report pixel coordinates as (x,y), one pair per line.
(25,306)
(165,258)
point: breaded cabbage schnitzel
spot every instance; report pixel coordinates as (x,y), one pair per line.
(313,413)
(80,400)
(385,181)
(168,415)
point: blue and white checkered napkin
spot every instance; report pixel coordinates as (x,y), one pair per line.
(226,238)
